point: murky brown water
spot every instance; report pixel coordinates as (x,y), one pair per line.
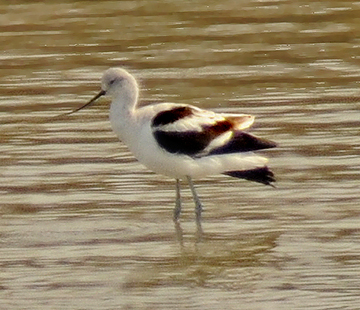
(84,226)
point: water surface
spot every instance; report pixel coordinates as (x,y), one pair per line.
(84,226)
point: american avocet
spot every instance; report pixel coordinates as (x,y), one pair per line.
(183,141)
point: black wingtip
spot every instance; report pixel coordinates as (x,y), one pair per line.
(261,175)
(244,142)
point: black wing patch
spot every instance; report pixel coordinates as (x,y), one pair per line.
(190,142)
(187,143)
(171,116)
(243,142)
(194,142)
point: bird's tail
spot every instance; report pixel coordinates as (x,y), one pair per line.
(261,175)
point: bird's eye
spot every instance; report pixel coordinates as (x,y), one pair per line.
(112,82)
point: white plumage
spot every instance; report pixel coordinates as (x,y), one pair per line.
(183,141)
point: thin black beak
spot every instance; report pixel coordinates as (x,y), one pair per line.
(102,93)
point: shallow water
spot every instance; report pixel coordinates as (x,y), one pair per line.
(84,226)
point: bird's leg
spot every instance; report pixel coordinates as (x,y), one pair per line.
(198,205)
(177,209)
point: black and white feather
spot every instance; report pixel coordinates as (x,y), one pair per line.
(197,133)
(187,130)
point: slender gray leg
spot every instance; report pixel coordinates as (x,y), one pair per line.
(177,209)
(198,205)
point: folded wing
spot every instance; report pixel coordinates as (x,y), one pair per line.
(191,131)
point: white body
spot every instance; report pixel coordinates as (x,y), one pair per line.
(133,127)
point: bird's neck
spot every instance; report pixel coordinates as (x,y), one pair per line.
(123,116)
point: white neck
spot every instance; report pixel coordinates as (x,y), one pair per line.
(122,116)
(123,109)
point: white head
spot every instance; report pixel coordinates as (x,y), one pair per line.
(119,84)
